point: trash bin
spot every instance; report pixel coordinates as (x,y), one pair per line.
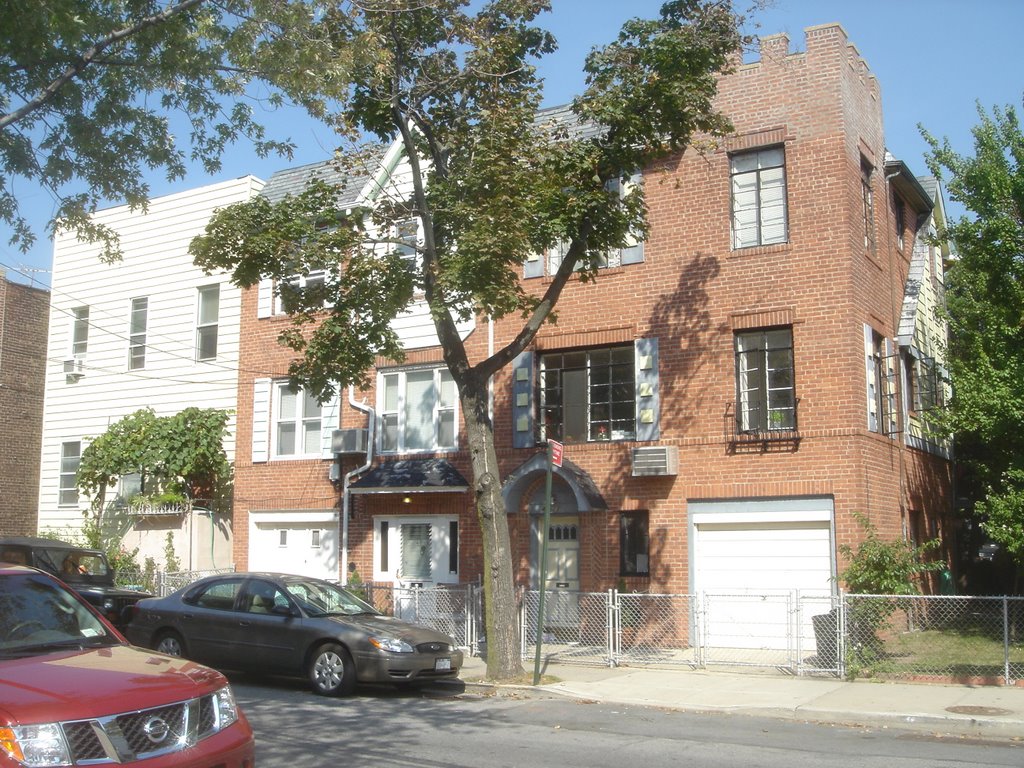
(826,638)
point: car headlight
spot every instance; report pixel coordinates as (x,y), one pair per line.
(391,644)
(36,745)
(227,709)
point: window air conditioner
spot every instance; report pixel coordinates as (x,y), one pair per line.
(656,460)
(74,367)
(349,440)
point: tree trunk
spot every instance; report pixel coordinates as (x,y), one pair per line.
(504,660)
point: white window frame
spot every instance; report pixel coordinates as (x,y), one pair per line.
(79,332)
(395,411)
(67,482)
(440,548)
(301,282)
(299,420)
(138,326)
(768,172)
(206,324)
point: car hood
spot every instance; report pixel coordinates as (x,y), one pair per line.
(388,625)
(89,588)
(71,685)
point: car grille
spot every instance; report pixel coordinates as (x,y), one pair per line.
(434,648)
(142,734)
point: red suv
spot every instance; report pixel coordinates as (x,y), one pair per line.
(72,691)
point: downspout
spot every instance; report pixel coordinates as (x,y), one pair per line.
(345,495)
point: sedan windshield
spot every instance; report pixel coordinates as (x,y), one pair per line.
(39,616)
(321,598)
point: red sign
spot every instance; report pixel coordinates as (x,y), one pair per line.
(556,452)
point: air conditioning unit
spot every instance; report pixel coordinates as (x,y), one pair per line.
(349,440)
(74,368)
(656,460)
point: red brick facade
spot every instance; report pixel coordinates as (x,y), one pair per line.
(693,292)
(24,320)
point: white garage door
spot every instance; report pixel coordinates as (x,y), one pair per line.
(749,574)
(308,548)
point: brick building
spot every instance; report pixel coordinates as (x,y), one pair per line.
(24,312)
(734,394)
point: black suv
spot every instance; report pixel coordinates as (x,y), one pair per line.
(84,570)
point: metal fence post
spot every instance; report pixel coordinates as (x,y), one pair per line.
(1006,640)
(614,640)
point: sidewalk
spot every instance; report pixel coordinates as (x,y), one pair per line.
(986,711)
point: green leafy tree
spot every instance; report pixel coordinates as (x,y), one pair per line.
(489,185)
(985,298)
(179,457)
(93,92)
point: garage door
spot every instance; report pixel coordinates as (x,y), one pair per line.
(307,547)
(750,572)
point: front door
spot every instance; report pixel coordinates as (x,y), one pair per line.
(563,572)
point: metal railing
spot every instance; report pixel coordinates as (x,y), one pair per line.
(976,640)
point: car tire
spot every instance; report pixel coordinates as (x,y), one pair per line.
(171,643)
(332,671)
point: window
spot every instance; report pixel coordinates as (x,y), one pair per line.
(282,537)
(758,182)
(416,550)
(137,334)
(588,395)
(881,384)
(899,220)
(418,411)
(297,420)
(314,541)
(206,322)
(289,291)
(70,458)
(868,205)
(765,394)
(407,234)
(925,384)
(634,544)
(79,332)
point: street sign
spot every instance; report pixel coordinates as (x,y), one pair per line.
(556,452)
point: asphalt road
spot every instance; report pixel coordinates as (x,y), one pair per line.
(456,727)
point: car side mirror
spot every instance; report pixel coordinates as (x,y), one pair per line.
(284,610)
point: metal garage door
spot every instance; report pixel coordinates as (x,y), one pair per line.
(748,572)
(306,548)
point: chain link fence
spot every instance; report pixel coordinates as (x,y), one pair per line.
(974,640)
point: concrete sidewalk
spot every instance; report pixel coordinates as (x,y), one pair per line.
(983,711)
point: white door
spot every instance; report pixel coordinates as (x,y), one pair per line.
(748,574)
(304,548)
(561,607)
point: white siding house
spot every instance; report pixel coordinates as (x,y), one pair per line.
(149,331)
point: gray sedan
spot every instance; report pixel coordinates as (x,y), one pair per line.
(292,625)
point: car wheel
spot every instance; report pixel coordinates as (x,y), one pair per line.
(171,644)
(332,671)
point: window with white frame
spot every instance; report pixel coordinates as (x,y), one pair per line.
(288,291)
(758,181)
(868,205)
(296,422)
(79,332)
(881,383)
(70,458)
(588,395)
(765,391)
(418,410)
(207,320)
(418,550)
(137,333)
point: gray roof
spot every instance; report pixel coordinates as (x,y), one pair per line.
(350,175)
(411,476)
(562,117)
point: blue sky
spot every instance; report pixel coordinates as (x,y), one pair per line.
(934,59)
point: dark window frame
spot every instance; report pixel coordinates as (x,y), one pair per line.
(635,543)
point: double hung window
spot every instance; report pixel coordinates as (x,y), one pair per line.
(588,395)
(758,182)
(765,394)
(137,333)
(208,315)
(297,422)
(70,458)
(418,410)
(79,332)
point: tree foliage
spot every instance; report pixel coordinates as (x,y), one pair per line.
(878,567)
(93,93)
(490,184)
(180,455)
(985,298)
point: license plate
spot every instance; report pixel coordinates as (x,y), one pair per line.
(442,665)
